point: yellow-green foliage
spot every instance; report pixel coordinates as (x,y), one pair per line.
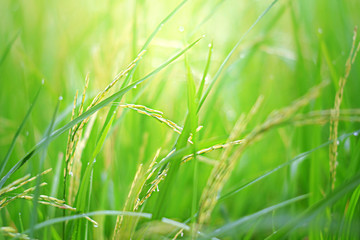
(195,120)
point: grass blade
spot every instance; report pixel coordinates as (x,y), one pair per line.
(53,221)
(83,215)
(7,49)
(315,209)
(12,145)
(349,215)
(231,226)
(207,17)
(148,41)
(298,158)
(34,214)
(193,102)
(83,197)
(222,66)
(190,126)
(206,70)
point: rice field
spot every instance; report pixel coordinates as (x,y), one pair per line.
(179,119)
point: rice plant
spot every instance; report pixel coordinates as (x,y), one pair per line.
(179,119)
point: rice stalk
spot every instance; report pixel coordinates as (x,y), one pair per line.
(313,117)
(70,147)
(154,187)
(13,233)
(161,176)
(120,230)
(50,201)
(73,139)
(43,199)
(103,93)
(322,117)
(76,131)
(149,172)
(75,170)
(334,123)
(276,118)
(221,172)
(54,202)
(21,195)
(142,179)
(125,226)
(158,115)
(212,148)
(179,233)
(12,186)
(154,184)
(21,182)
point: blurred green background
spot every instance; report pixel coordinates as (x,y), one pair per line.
(294,47)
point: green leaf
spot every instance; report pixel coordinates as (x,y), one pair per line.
(227,228)
(354,201)
(179,153)
(207,17)
(82,201)
(12,145)
(298,158)
(174,159)
(7,49)
(193,102)
(90,214)
(222,66)
(54,221)
(34,213)
(206,70)
(311,212)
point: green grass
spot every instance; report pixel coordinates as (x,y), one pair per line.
(191,119)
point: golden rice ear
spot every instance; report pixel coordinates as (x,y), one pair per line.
(103,93)
(81,108)
(75,132)
(156,114)
(122,226)
(21,182)
(212,148)
(222,171)
(13,233)
(334,122)
(26,194)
